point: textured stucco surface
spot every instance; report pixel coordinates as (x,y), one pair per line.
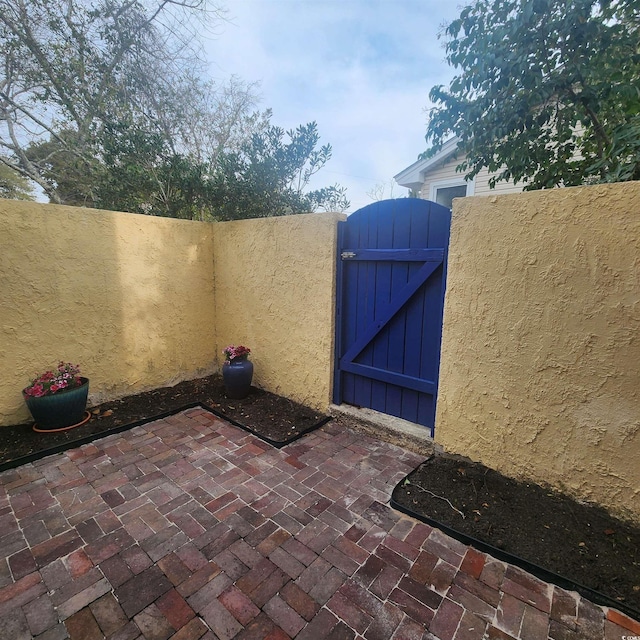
(540,369)
(275,294)
(128,297)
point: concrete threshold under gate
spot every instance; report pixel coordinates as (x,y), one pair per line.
(385,427)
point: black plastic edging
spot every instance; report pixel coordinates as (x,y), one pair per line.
(500,554)
(278,444)
(72,444)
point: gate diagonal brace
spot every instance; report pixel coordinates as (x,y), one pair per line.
(389,310)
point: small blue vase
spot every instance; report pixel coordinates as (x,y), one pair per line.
(237,376)
(59,410)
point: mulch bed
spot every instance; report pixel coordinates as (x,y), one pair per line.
(274,418)
(580,542)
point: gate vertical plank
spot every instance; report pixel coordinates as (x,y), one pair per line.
(439,229)
(362,385)
(415,330)
(383,296)
(397,327)
(350,303)
(338,377)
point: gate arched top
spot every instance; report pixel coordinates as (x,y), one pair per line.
(398,223)
(401,207)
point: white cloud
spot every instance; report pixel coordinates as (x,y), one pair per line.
(362,69)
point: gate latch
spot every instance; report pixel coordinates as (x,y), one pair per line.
(346,255)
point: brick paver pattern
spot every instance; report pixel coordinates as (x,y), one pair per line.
(190,528)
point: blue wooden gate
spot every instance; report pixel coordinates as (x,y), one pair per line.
(392,258)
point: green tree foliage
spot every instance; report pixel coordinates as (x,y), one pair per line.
(68,166)
(13,186)
(547,91)
(269,174)
(266,176)
(142,174)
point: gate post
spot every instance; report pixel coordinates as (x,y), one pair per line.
(337,374)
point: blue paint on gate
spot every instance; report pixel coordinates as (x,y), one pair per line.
(392,259)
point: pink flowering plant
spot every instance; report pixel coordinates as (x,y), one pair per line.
(65,376)
(239,353)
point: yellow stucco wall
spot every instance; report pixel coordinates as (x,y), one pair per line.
(275,294)
(128,297)
(142,302)
(540,369)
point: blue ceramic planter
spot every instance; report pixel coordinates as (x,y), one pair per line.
(237,376)
(59,410)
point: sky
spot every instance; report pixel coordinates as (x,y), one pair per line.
(362,69)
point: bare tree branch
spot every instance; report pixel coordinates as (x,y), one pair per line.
(90,65)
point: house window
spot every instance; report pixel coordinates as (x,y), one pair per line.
(443,193)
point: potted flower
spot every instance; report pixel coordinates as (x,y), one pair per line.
(57,399)
(237,371)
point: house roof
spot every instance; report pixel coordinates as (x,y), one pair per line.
(413,176)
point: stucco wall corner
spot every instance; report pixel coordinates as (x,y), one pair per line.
(275,292)
(539,375)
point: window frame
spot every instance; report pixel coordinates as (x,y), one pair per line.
(447,184)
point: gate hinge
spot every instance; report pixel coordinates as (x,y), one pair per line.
(346,255)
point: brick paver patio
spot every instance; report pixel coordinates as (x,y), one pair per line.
(190,528)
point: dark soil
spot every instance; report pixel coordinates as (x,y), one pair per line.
(582,543)
(273,417)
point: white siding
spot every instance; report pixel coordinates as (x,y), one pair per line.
(482,185)
(446,172)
